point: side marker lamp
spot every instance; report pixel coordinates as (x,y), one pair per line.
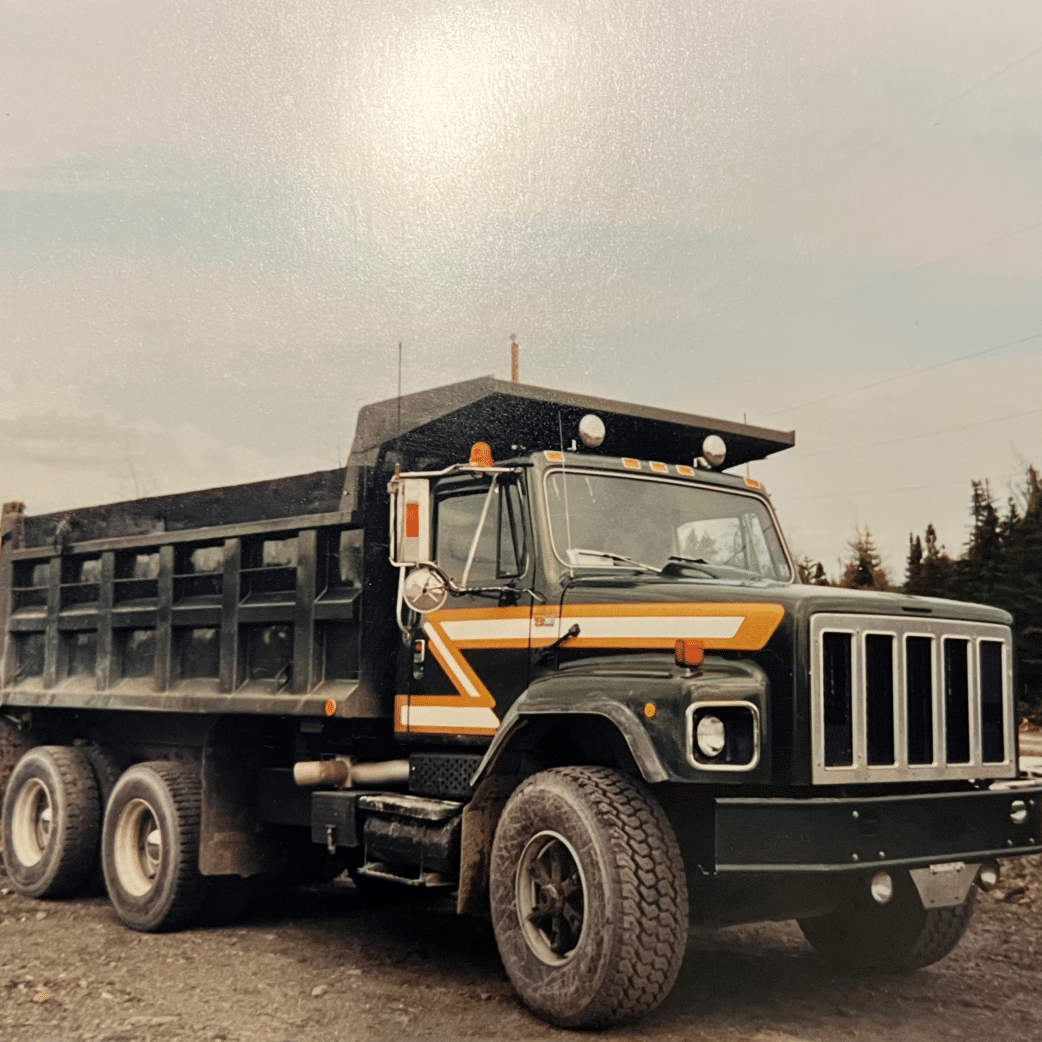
(689,653)
(330,707)
(650,709)
(481,454)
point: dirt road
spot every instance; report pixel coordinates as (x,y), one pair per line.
(322,965)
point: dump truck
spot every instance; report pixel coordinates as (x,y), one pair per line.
(542,651)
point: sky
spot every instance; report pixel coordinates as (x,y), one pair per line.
(219,217)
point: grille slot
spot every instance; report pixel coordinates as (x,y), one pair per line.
(896,699)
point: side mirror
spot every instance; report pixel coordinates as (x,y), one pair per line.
(410,521)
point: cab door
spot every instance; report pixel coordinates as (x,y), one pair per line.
(468,661)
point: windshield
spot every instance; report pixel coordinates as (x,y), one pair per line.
(602,520)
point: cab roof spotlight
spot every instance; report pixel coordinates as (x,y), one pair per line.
(714,451)
(591,430)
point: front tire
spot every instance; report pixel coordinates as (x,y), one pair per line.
(150,847)
(589,897)
(898,937)
(51,818)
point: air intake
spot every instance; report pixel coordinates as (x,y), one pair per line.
(895,699)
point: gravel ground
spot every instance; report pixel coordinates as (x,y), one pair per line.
(321,964)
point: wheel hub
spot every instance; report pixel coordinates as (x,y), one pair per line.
(551,897)
(138,847)
(32,823)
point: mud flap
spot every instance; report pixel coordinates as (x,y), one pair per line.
(944,885)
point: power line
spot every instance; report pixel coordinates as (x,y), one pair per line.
(927,434)
(879,491)
(901,376)
(850,157)
(901,128)
(962,251)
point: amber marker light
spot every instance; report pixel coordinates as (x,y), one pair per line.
(330,707)
(689,653)
(481,454)
(650,709)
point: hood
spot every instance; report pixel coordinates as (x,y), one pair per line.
(798,601)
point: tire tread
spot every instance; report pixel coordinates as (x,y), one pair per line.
(78,839)
(645,859)
(188,887)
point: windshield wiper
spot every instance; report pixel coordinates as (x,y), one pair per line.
(695,563)
(608,555)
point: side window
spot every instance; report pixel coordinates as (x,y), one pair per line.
(456,520)
(500,552)
(510,555)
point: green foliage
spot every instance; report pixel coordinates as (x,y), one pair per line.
(1001,566)
(928,571)
(864,569)
(811,573)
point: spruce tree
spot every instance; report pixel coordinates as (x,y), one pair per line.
(864,569)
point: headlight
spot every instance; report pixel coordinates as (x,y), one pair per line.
(711,736)
(723,736)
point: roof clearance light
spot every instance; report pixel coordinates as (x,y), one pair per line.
(591,430)
(714,451)
(481,454)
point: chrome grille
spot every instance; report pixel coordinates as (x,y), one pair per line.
(894,699)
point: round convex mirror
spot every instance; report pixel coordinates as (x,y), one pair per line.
(424,590)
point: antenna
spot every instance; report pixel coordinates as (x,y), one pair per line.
(745,420)
(399,438)
(515,358)
(564,485)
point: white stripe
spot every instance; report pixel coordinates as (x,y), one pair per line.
(487,629)
(718,627)
(450,663)
(709,627)
(449,716)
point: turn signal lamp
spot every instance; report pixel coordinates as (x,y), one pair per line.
(330,707)
(481,454)
(689,653)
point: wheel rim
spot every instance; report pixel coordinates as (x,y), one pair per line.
(138,847)
(550,894)
(32,822)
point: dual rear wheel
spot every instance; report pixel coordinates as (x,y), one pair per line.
(146,841)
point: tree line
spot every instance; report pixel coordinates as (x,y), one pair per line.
(1000,565)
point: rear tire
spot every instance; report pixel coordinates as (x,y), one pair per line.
(150,847)
(107,771)
(589,897)
(50,822)
(14,744)
(898,937)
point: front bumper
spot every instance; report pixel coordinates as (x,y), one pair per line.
(854,834)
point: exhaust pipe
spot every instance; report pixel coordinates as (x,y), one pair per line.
(345,772)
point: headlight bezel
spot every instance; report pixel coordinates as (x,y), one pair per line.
(741,720)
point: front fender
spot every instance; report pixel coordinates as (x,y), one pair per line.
(646,708)
(625,720)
